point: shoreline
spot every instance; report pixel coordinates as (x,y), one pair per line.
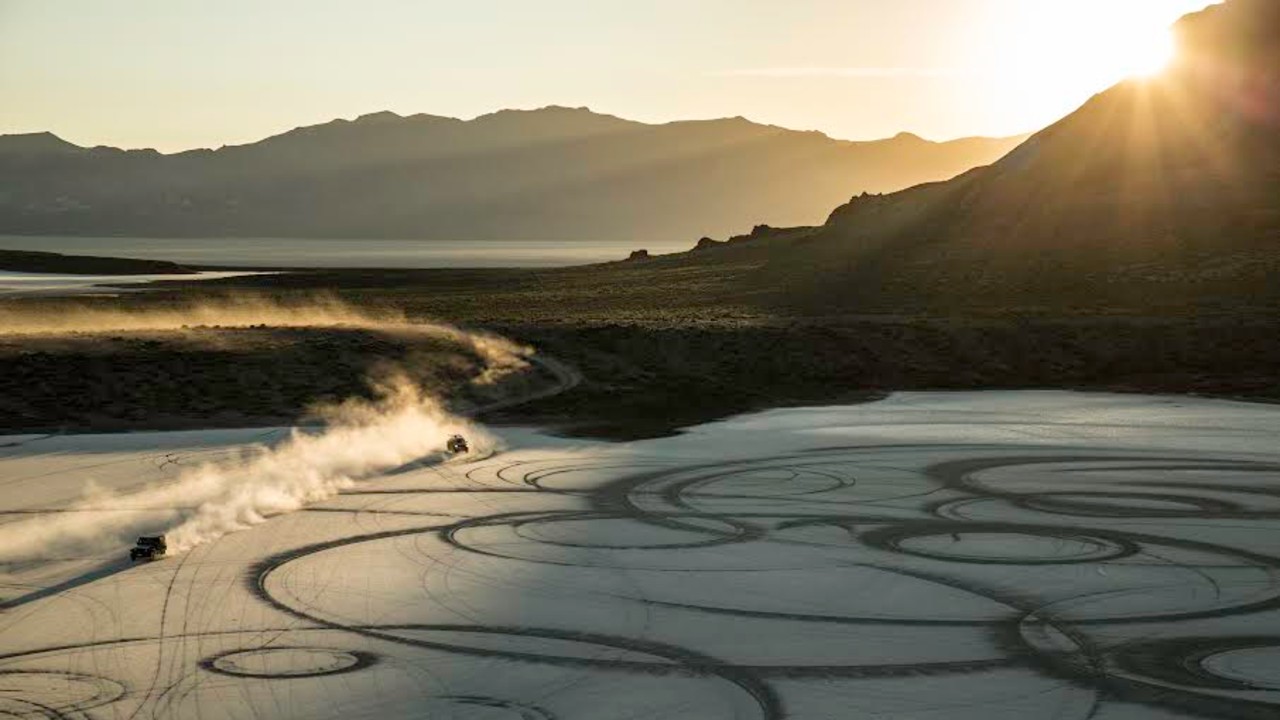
(338,254)
(597,427)
(570,430)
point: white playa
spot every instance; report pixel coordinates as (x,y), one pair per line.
(968,555)
(13,284)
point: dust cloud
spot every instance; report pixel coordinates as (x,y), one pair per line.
(360,437)
(500,355)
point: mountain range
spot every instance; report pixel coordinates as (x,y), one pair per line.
(551,174)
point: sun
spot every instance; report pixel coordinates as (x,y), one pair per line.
(1147,54)
(1041,60)
(1092,43)
(1087,42)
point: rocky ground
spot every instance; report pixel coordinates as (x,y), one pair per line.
(640,377)
(208,377)
(659,344)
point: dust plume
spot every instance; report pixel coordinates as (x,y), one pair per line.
(234,311)
(363,438)
(359,438)
(500,355)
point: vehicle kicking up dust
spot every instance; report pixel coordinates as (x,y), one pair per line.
(149,547)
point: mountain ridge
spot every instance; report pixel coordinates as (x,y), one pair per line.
(389,116)
(555,173)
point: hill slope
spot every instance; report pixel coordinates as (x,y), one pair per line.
(555,173)
(1154,193)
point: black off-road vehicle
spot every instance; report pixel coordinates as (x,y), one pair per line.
(457,445)
(149,547)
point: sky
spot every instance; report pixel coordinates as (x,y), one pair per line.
(178,74)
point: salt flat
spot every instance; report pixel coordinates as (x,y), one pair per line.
(963,555)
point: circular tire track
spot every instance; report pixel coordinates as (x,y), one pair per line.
(723,504)
(290,662)
(1096,545)
(54,694)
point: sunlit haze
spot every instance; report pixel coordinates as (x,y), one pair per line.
(176,74)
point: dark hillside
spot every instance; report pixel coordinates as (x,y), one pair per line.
(1154,194)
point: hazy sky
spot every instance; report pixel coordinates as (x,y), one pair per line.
(176,74)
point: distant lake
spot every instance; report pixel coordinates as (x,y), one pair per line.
(293,252)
